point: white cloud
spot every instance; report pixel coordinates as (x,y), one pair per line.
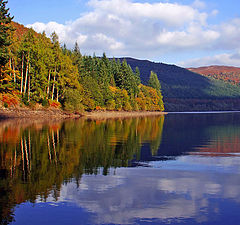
(199,4)
(214,12)
(145,30)
(232,59)
(168,13)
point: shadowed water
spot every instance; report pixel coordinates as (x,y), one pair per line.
(173,169)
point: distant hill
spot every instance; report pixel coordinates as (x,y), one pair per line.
(228,74)
(185,90)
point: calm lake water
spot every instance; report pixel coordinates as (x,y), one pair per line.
(173,169)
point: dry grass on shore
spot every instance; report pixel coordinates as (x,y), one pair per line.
(119,114)
(60,114)
(36,114)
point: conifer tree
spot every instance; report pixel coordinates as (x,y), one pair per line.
(154,82)
(5,19)
(137,76)
(76,54)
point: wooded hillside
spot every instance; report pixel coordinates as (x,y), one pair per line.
(184,90)
(40,70)
(227,74)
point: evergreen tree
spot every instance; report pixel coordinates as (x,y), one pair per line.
(77,56)
(5,19)
(137,76)
(154,82)
(64,49)
(128,79)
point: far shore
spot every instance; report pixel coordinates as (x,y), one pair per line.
(57,114)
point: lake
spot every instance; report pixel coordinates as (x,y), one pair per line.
(172,169)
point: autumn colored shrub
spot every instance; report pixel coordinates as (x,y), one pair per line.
(54,104)
(9,100)
(99,108)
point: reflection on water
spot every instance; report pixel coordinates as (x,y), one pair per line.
(36,159)
(183,168)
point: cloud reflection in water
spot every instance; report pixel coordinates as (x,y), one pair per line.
(164,194)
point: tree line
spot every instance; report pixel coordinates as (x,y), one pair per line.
(38,69)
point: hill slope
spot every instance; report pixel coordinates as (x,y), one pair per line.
(228,74)
(184,90)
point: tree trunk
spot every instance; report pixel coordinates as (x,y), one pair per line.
(54,79)
(22,73)
(10,65)
(26,76)
(29,86)
(48,87)
(57,94)
(14,74)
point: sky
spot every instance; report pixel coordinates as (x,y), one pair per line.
(188,33)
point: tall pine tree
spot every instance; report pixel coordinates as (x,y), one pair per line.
(5,20)
(154,82)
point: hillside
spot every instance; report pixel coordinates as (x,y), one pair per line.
(185,90)
(228,74)
(37,72)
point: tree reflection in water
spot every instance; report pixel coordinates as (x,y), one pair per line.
(37,158)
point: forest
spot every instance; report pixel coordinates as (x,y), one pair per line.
(37,71)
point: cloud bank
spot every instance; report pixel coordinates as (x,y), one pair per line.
(145,30)
(231,59)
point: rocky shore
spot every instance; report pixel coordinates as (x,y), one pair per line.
(46,114)
(37,114)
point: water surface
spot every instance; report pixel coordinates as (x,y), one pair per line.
(173,169)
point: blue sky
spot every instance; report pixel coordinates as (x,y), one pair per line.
(182,32)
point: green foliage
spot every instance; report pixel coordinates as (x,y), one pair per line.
(45,102)
(25,100)
(5,28)
(73,100)
(154,82)
(111,105)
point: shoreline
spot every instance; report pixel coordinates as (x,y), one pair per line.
(36,114)
(120,114)
(57,114)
